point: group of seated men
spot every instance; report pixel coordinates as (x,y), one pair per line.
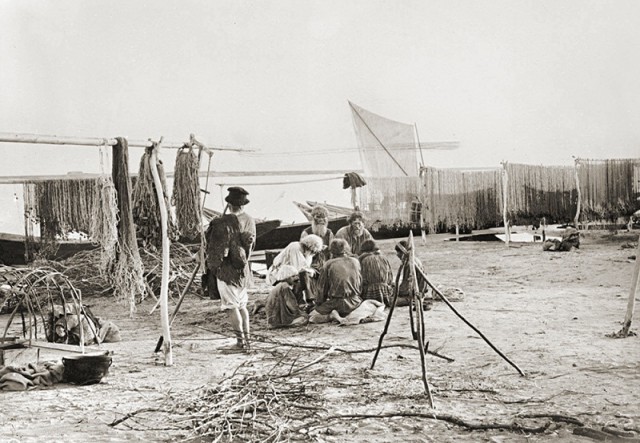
(341,277)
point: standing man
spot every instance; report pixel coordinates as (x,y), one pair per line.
(230,240)
(355,233)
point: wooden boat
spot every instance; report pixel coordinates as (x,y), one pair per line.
(378,230)
(262,226)
(280,237)
(12,248)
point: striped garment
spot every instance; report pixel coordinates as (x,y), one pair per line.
(377,277)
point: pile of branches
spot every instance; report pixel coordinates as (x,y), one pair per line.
(83,270)
(272,406)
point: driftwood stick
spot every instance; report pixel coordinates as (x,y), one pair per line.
(443,417)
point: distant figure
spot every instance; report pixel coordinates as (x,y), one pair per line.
(355,233)
(377,276)
(300,256)
(340,284)
(570,239)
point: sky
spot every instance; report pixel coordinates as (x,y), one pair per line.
(535,82)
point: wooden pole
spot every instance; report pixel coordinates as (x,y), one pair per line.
(96,141)
(626,325)
(576,219)
(164,288)
(505,196)
(417,297)
(455,311)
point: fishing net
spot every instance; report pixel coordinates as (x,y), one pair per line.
(609,189)
(470,199)
(536,191)
(146,210)
(186,194)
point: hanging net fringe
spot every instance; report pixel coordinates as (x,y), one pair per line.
(471,199)
(539,191)
(104,225)
(146,210)
(186,194)
(609,188)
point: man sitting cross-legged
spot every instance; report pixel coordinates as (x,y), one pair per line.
(282,306)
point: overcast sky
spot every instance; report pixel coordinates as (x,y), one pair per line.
(525,81)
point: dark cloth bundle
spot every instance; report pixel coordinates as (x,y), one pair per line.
(353,180)
(227,249)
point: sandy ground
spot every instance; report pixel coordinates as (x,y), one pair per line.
(549,312)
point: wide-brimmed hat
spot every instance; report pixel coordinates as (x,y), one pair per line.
(237,196)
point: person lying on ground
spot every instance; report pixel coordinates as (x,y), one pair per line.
(340,284)
(298,254)
(377,276)
(406,286)
(355,233)
(282,306)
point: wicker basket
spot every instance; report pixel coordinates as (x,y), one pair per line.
(86,369)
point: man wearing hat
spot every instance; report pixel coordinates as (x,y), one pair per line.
(230,241)
(236,201)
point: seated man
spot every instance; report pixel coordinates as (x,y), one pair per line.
(377,276)
(355,233)
(298,254)
(282,307)
(340,284)
(405,290)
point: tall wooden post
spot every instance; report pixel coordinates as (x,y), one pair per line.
(164,288)
(576,219)
(505,198)
(626,325)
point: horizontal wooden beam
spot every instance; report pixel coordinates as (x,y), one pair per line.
(97,141)
(20,179)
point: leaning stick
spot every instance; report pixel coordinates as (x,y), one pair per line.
(626,325)
(391,308)
(175,310)
(420,317)
(164,288)
(444,299)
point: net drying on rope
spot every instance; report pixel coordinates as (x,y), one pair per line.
(609,188)
(186,194)
(465,198)
(387,200)
(540,191)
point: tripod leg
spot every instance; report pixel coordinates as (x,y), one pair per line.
(391,308)
(421,346)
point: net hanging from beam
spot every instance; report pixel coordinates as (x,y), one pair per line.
(536,191)
(470,199)
(609,188)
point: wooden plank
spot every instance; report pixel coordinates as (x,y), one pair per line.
(20,179)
